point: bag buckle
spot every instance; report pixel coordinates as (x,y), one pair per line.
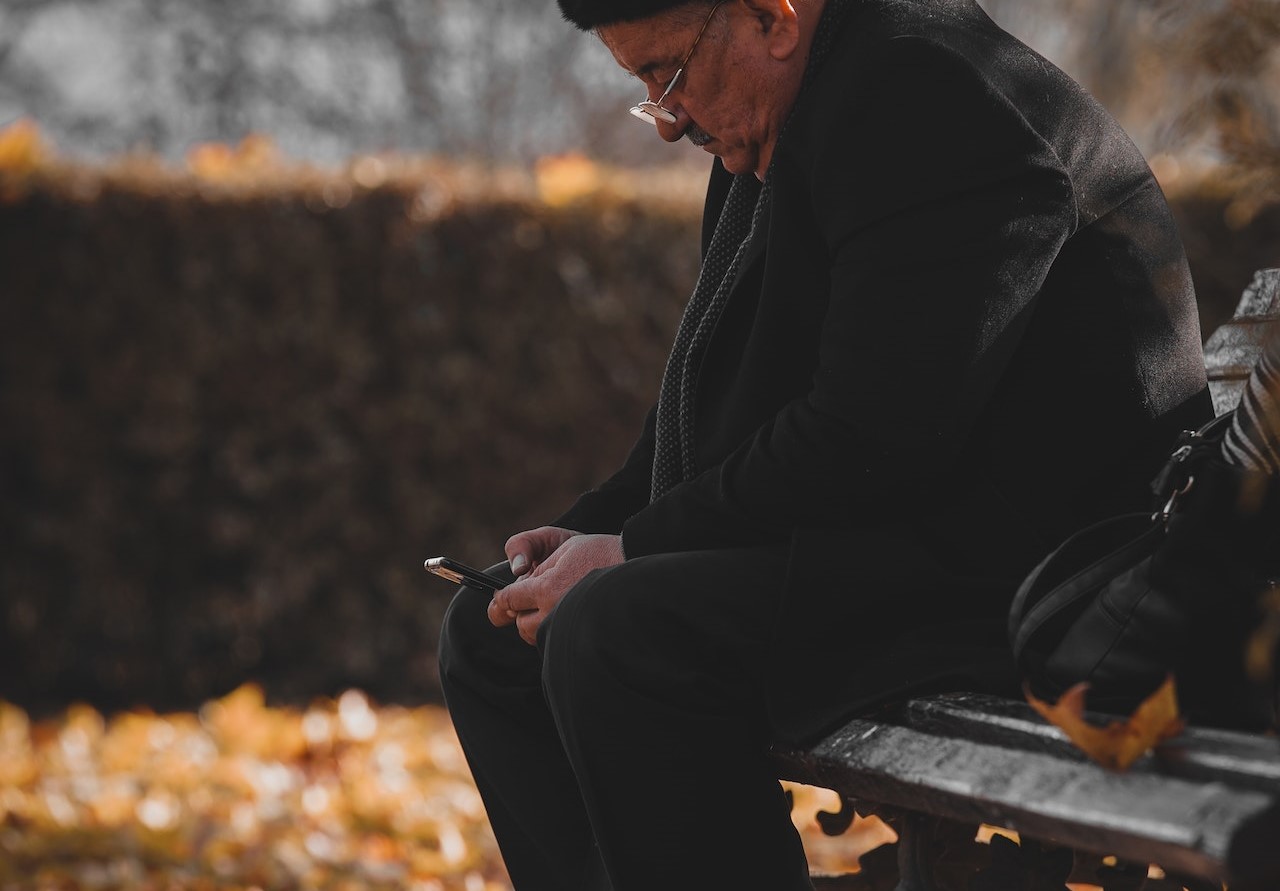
(1167,511)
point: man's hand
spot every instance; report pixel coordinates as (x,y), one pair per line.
(527,550)
(527,601)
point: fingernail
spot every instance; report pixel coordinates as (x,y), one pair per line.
(511,614)
(518,563)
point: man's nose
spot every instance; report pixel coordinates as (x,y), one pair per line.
(673,132)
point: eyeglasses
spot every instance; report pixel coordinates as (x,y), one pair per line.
(652,112)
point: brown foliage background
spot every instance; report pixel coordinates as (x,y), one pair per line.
(235,418)
(239,405)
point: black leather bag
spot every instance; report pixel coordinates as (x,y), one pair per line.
(1124,603)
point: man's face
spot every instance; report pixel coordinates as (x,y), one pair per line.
(731,99)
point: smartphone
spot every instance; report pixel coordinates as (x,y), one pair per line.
(462,574)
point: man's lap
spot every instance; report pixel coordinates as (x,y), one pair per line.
(656,622)
(694,624)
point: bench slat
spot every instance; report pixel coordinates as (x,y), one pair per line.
(1245,760)
(933,755)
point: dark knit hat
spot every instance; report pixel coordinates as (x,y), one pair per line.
(588,14)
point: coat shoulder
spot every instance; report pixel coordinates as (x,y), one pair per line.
(924,67)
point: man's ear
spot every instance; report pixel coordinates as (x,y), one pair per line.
(777,23)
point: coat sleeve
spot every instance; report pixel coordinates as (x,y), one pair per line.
(942,211)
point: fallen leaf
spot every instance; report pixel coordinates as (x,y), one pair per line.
(1120,743)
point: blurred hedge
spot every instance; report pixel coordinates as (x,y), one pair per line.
(235,416)
(239,405)
(1230,225)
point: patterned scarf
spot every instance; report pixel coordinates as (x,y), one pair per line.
(739,223)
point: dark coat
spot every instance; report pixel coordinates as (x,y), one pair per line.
(968,331)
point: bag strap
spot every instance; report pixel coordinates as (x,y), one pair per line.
(1075,571)
(1190,451)
(1072,575)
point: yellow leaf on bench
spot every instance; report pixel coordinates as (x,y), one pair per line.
(1120,743)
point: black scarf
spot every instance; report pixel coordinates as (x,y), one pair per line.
(739,223)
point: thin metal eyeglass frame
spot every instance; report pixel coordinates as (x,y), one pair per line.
(652,112)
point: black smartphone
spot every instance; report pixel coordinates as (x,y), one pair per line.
(462,574)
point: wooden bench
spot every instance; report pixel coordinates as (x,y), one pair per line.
(1205,806)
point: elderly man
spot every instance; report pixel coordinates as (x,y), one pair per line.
(943,320)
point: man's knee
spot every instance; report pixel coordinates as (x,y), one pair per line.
(690,631)
(466,630)
(464,621)
(596,636)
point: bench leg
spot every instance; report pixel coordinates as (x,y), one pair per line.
(924,843)
(1027,865)
(915,853)
(905,866)
(935,854)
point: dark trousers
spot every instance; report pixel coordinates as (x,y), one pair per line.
(627,751)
